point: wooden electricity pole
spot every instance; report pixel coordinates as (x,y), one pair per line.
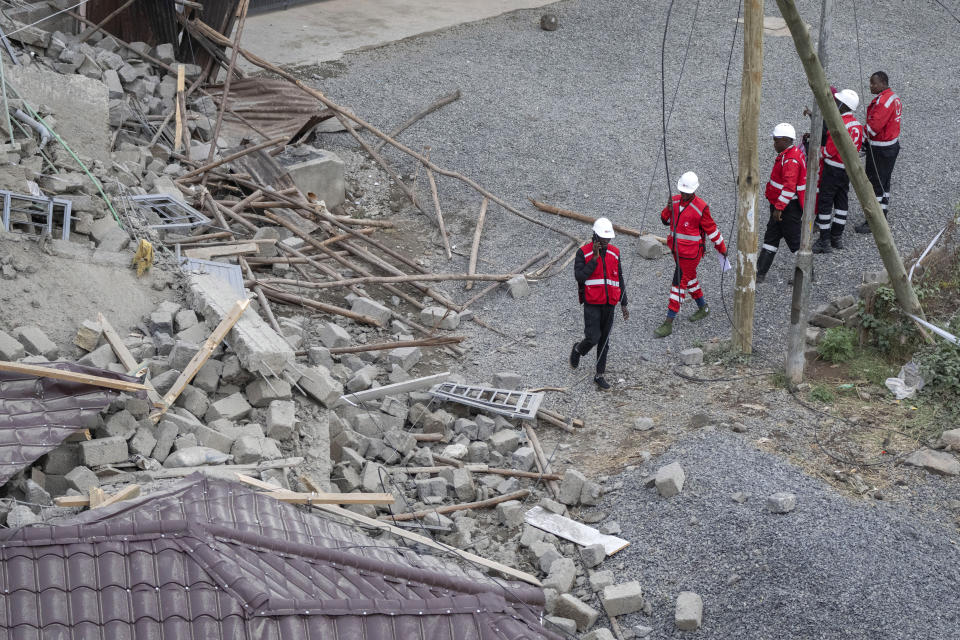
(906,296)
(803,272)
(748,182)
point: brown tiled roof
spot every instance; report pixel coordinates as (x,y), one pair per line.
(36,414)
(213,559)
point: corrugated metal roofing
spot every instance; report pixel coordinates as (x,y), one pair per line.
(37,414)
(213,559)
(275,107)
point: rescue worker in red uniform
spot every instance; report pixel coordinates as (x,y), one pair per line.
(883,140)
(691,225)
(599,275)
(834,185)
(785,189)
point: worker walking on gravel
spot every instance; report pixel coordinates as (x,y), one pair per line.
(883,140)
(691,225)
(599,275)
(834,185)
(785,189)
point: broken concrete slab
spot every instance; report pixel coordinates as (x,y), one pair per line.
(259,347)
(36,342)
(323,176)
(939,462)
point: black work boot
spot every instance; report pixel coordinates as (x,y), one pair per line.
(823,243)
(763,264)
(575,356)
(863,227)
(602,385)
(837,243)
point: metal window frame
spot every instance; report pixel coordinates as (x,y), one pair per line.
(175,213)
(506,402)
(51,203)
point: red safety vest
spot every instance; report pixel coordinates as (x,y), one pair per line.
(690,225)
(829,152)
(603,285)
(883,119)
(788,178)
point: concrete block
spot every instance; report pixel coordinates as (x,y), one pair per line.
(167,432)
(260,349)
(404,357)
(103,451)
(510,513)
(591,493)
(650,248)
(565,625)
(121,424)
(21,516)
(233,407)
(164,381)
(36,342)
(562,575)
(219,440)
(781,502)
(208,377)
(600,579)
(115,241)
(88,335)
(439,317)
(10,347)
(281,419)
(317,382)
(184,441)
(372,308)
(194,400)
(394,406)
(688,614)
(692,356)
(82,479)
(321,356)
(373,478)
(505,441)
(165,53)
(100,357)
(249,449)
(478,451)
(518,286)
(431,488)
(143,441)
(523,458)
(333,335)
(323,175)
(363,379)
(61,460)
(181,354)
(114,87)
(567,606)
(669,479)
(463,487)
(507,380)
(600,634)
(262,392)
(571,487)
(621,599)
(592,555)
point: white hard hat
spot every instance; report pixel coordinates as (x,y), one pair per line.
(603,228)
(784,130)
(849,97)
(688,182)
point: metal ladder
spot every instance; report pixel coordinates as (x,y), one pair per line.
(513,404)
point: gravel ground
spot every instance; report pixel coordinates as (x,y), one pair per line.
(829,569)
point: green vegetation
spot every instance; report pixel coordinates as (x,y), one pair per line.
(822,393)
(838,344)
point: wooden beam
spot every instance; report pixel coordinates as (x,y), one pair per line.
(70,376)
(230,158)
(123,354)
(201,357)
(543,463)
(96,498)
(293,497)
(178,135)
(128,492)
(480,504)
(414,537)
(208,253)
(436,204)
(573,215)
(472,268)
(399,387)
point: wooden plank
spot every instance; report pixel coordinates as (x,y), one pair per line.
(72,501)
(480,504)
(429,437)
(201,357)
(221,469)
(573,215)
(573,531)
(209,253)
(400,387)
(131,491)
(543,463)
(178,134)
(413,537)
(293,497)
(97,498)
(472,267)
(123,354)
(70,376)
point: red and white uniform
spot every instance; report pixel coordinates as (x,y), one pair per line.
(691,225)
(829,153)
(883,119)
(603,285)
(788,178)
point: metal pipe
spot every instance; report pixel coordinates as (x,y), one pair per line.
(45,134)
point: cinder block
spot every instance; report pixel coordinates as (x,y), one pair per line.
(262,392)
(233,407)
(621,599)
(281,419)
(36,342)
(323,176)
(103,451)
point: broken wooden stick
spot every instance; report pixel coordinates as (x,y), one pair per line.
(293,497)
(480,468)
(198,360)
(472,268)
(480,504)
(418,277)
(573,215)
(98,498)
(178,142)
(445,100)
(543,463)
(261,297)
(526,265)
(436,205)
(210,252)
(123,354)
(40,371)
(230,158)
(290,298)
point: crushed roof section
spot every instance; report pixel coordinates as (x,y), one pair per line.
(37,414)
(214,559)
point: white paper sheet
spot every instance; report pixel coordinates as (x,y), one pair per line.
(724,263)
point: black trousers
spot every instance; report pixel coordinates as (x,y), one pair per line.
(832,200)
(597,322)
(879,167)
(787,228)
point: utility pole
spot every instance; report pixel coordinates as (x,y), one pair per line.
(906,296)
(803,272)
(748,182)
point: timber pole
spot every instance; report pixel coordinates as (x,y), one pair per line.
(748,182)
(803,271)
(906,296)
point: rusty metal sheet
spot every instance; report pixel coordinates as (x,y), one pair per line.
(152,22)
(37,414)
(275,107)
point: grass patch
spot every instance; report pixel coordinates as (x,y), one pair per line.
(823,394)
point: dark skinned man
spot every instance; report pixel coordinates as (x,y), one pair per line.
(785,190)
(883,140)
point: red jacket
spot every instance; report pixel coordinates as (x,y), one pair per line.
(788,178)
(829,153)
(883,119)
(601,280)
(690,226)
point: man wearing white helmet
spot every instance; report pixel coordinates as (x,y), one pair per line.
(691,225)
(599,275)
(785,189)
(834,186)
